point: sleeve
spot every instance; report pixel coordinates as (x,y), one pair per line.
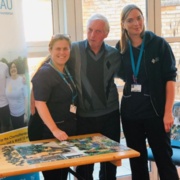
(72,60)
(120,72)
(117,46)
(42,85)
(169,64)
(117,57)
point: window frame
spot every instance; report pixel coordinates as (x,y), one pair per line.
(67,18)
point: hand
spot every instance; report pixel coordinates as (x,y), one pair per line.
(60,135)
(168,121)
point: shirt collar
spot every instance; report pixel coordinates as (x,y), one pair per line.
(87,47)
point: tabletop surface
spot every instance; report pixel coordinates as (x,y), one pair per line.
(22,158)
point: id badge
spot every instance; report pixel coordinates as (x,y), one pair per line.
(136,88)
(73,109)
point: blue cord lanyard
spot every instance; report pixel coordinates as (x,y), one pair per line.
(136,69)
(74,93)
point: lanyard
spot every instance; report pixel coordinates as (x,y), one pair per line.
(136,69)
(74,93)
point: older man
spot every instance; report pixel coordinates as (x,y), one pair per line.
(93,65)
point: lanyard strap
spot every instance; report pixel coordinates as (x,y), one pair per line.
(74,93)
(136,69)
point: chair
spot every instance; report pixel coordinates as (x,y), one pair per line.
(175,137)
(175,157)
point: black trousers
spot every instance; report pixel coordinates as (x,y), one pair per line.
(57,174)
(136,132)
(5,120)
(17,122)
(108,125)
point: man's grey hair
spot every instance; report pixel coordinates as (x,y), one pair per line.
(99,17)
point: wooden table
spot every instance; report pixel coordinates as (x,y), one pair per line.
(22,158)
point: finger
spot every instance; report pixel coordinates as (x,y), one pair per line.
(167,128)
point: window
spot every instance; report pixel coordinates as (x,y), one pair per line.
(106,7)
(170,29)
(38,27)
(170,18)
(37,16)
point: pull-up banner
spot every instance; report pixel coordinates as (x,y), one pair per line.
(14,88)
(12,44)
(14,78)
